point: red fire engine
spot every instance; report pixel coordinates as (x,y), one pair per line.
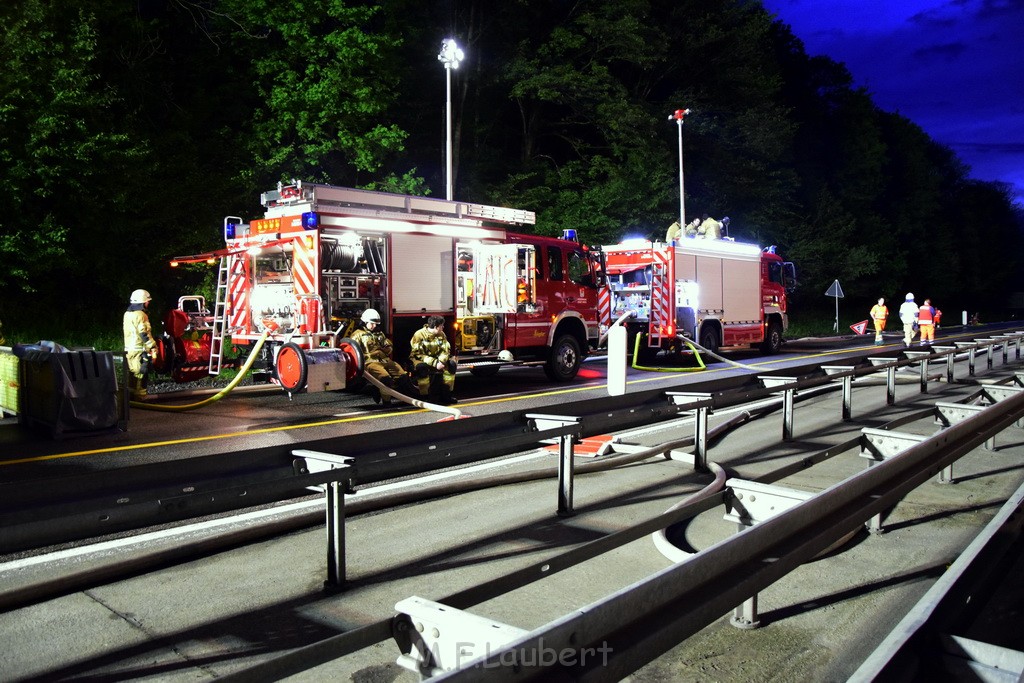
(321,255)
(717,292)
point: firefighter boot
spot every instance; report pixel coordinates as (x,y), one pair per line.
(138,388)
(405,386)
(385,398)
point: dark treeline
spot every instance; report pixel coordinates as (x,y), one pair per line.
(128,130)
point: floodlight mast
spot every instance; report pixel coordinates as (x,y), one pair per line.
(450,56)
(679,115)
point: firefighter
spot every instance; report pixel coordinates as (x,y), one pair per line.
(377,358)
(433,367)
(908,316)
(879,314)
(710,229)
(673,233)
(926,322)
(139,345)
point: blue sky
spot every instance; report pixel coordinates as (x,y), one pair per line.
(954,67)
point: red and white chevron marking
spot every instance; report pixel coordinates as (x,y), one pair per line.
(604,305)
(238,295)
(661,295)
(305,264)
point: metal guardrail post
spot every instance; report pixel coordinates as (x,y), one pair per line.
(565,456)
(700,405)
(949,352)
(989,350)
(788,385)
(1005,344)
(846,376)
(890,377)
(923,357)
(334,506)
(972,349)
(878,445)
(749,504)
(948,414)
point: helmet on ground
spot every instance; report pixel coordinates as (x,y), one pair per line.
(910,296)
(370,316)
(505,356)
(140,296)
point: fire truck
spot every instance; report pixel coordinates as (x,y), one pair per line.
(717,292)
(302,275)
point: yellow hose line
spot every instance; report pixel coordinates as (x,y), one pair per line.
(216,397)
(696,354)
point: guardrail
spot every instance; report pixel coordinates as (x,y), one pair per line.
(94,504)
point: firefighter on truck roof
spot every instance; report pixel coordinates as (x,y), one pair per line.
(378,361)
(139,345)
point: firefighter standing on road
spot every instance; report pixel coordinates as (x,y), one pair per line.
(926,322)
(139,345)
(908,316)
(879,314)
(377,357)
(432,365)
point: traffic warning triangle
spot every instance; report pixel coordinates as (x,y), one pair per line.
(861,327)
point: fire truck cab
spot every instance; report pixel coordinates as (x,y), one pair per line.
(321,255)
(715,292)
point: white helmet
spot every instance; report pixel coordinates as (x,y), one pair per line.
(140,296)
(370,316)
(505,356)
(910,296)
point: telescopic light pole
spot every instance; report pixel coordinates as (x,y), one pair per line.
(450,56)
(678,116)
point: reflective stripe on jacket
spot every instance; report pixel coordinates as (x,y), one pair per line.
(926,315)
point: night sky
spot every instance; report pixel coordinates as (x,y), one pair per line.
(954,67)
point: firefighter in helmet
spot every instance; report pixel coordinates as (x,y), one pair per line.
(432,364)
(139,345)
(377,357)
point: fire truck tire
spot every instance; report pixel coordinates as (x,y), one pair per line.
(291,368)
(709,339)
(564,359)
(773,339)
(354,361)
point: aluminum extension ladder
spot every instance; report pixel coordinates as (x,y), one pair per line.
(219,317)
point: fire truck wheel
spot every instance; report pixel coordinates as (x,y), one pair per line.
(354,362)
(291,368)
(709,339)
(773,339)
(564,359)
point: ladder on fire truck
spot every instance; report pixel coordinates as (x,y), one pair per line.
(369,203)
(219,318)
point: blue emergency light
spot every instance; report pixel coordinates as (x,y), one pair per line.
(230,229)
(569,234)
(310,220)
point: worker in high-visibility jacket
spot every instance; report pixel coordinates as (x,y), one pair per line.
(926,322)
(139,345)
(879,314)
(908,316)
(433,367)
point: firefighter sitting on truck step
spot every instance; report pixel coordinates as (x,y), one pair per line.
(432,364)
(139,345)
(377,358)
